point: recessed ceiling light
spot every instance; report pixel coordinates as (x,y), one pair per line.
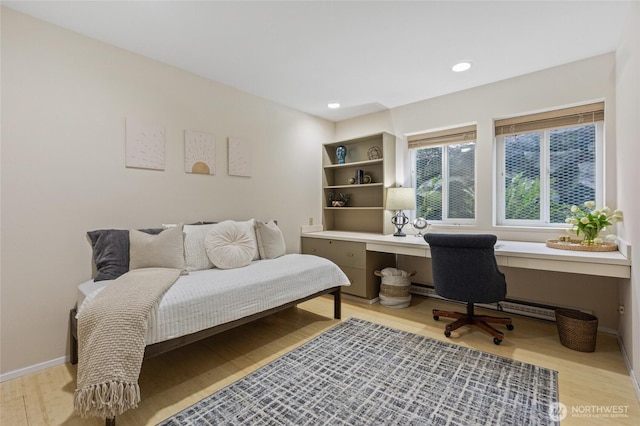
(333,105)
(462,66)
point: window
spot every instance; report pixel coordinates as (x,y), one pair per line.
(548,162)
(444,173)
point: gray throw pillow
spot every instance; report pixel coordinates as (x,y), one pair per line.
(111,251)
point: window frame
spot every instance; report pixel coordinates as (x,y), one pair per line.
(445,170)
(545,177)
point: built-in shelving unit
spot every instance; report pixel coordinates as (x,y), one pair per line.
(365,211)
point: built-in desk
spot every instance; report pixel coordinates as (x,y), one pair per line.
(515,254)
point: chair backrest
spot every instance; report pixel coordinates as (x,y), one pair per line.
(465,269)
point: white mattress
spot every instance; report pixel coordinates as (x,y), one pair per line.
(212,297)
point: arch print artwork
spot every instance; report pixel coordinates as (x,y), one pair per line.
(199,153)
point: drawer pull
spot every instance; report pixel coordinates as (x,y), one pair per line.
(349,254)
(313,250)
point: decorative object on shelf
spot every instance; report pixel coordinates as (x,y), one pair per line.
(420,224)
(360,178)
(400,199)
(374,153)
(591,222)
(339,200)
(341,153)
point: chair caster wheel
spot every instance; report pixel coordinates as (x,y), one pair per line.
(435,317)
(447,334)
(497,341)
(509,326)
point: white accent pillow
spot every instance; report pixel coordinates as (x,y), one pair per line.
(250,226)
(165,250)
(195,254)
(270,240)
(229,245)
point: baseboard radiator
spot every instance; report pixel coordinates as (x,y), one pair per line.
(519,307)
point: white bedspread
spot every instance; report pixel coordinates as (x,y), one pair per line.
(212,297)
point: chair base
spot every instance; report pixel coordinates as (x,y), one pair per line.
(470,318)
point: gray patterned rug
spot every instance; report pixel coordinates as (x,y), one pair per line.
(360,373)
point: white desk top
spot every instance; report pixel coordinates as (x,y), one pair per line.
(517,254)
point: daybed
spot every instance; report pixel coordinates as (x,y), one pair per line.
(216,291)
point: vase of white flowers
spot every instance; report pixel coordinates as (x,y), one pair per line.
(591,222)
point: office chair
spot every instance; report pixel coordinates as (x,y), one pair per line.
(465,269)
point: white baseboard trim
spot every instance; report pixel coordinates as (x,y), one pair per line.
(627,361)
(33,368)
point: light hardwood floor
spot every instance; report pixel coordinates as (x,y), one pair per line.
(173,381)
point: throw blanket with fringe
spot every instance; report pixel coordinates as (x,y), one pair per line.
(112,332)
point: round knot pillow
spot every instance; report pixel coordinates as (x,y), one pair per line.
(229,245)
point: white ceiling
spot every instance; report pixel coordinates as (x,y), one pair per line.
(369,56)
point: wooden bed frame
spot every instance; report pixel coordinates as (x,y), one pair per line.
(168,345)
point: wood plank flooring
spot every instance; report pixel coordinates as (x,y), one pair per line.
(173,381)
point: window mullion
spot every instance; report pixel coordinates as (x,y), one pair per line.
(445,182)
(545,176)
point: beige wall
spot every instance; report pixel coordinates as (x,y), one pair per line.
(628,139)
(65,98)
(578,82)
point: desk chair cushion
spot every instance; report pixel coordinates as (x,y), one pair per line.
(479,280)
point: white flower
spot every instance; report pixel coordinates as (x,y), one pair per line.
(574,221)
(606,210)
(584,220)
(589,204)
(570,231)
(596,213)
(617,215)
(597,240)
(574,209)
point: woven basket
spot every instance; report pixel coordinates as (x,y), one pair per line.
(395,287)
(577,330)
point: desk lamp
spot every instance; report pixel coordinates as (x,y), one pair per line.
(400,199)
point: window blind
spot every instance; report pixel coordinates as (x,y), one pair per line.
(575,116)
(443,137)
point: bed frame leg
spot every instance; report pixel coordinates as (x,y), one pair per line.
(110,421)
(74,336)
(337,304)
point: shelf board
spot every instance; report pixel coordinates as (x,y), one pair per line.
(355,164)
(361,185)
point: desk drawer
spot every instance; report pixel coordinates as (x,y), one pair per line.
(358,279)
(342,253)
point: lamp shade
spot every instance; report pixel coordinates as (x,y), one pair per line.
(401,199)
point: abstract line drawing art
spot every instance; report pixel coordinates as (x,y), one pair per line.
(239,153)
(145,144)
(199,153)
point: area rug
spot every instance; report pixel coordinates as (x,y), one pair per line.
(361,373)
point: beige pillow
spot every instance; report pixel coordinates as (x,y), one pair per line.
(165,250)
(230,245)
(270,240)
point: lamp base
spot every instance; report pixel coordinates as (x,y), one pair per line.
(399,220)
